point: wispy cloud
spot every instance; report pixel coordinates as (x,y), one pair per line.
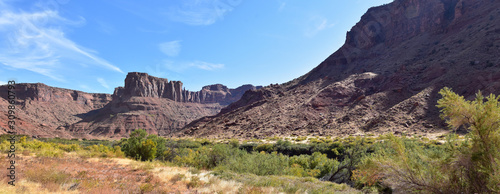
(315,25)
(183,66)
(191,12)
(171,48)
(152,31)
(206,66)
(87,88)
(200,12)
(2,83)
(105,28)
(282,6)
(102,82)
(36,42)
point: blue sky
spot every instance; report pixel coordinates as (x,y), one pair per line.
(91,45)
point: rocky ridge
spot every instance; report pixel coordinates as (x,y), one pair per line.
(45,111)
(384,79)
(155,104)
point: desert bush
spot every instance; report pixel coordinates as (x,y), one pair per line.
(194,182)
(470,165)
(139,147)
(351,157)
(146,187)
(315,165)
(234,143)
(161,148)
(177,177)
(477,167)
(284,184)
(259,163)
(399,161)
(206,157)
(266,147)
(48,177)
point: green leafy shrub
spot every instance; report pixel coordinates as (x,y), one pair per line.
(470,165)
(315,165)
(139,147)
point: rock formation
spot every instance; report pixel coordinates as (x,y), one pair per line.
(43,110)
(155,104)
(142,85)
(384,79)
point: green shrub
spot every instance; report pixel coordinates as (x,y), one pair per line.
(315,165)
(470,165)
(266,147)
(139,147)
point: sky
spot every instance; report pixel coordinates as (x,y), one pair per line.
(91,45)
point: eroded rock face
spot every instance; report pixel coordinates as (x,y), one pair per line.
(144,85)
(42,110)
(42,93)
(384,79)
(156,105)
(159,116)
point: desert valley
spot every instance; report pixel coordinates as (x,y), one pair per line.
(394,110)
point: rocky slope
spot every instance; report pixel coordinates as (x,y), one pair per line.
(384,79)
(44,111)
(156,105)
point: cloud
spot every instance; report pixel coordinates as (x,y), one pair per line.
(315,25)
(200,12)
(103,82)
(36,42)
(105,27)
(2,83)
(171,48)
(87,88)
(206,66)
(282,6)
(183,66)
(153,31)
(191,12)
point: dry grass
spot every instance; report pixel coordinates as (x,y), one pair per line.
(74,174)
(114,175)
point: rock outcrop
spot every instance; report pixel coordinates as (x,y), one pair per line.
(143,85)
(43,111)
(155,104)
(384,79)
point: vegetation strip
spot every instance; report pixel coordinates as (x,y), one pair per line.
(370,164)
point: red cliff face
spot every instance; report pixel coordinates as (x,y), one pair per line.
(42,93)
(143,85)
(156,105)
(384,79)
(43,110)
(389,26)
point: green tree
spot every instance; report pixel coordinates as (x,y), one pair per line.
(161,149)
(139,147)
(459,166)
(479,162)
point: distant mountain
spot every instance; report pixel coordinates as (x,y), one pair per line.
(155,104)
(384,79)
